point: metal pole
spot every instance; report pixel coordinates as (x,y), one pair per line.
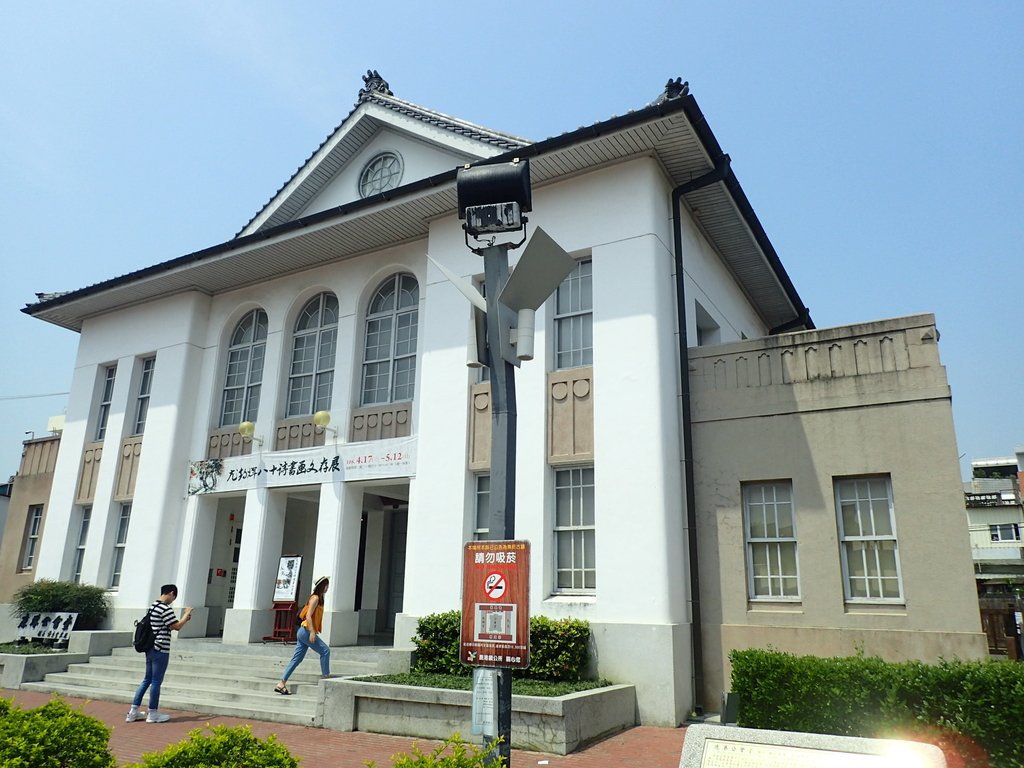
(502,524)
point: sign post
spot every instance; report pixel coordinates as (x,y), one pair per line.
(492,199)
(495,637)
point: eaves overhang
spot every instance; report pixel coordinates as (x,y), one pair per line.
(673,130)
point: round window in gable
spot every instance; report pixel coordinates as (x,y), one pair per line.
(383,172)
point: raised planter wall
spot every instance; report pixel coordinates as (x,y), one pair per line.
(558,725)
(18,668)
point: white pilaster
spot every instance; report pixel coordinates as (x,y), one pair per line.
(251,617)
(337,556)
(194,563)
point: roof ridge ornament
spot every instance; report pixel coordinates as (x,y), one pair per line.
(373,83)
(674,89)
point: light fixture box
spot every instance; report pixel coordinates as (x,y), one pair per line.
(493,218)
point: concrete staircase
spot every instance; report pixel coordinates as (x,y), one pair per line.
(210,678)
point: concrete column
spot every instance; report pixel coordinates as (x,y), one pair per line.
(155,536)
(373,555)
(337,556)
(252,618)
(194,563)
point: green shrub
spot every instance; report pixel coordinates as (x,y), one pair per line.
(453,752)
(437,644)
(46,596)
(52,736)
(962,705)
(558,647)
(222,747)
(26,649)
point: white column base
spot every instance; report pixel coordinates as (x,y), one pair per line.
(246,626)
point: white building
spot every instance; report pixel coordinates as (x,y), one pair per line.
(325,301)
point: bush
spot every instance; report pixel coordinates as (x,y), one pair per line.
(52,736)
(558,647)
(222,747)
(437,644)
(959,704)
(47,596)
(452,753)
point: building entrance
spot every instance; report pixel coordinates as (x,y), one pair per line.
(380,585)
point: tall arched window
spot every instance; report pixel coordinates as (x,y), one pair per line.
(241,399)
(389,351)
(312,371)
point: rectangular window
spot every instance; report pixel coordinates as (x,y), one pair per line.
(575,569)
(1005,532)
(770,530)
(482,507)
(574,319)
(83,533)
(119,544)
(867,534)
(33,529)
(142,402)
(106,396)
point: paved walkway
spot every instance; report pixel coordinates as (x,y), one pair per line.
(653,747)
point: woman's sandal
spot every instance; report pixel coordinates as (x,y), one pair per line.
(283,691)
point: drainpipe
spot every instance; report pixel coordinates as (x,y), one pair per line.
(696,641)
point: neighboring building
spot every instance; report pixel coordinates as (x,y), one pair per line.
(26,516)
(5,502)
(995,519)
(311,374)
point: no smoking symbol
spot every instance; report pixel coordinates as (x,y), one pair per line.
(495,586)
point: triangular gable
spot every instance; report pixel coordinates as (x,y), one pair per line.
(424,142)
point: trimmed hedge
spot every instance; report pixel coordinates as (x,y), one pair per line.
(453,752)
(437,644)
(47,596)
(52,736)
(962,705)
(223,746)
(558,647)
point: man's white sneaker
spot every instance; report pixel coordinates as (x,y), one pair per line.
(157,717)
(133,715)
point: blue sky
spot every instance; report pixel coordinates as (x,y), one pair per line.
(879,143)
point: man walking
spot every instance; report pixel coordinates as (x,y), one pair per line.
(163,620)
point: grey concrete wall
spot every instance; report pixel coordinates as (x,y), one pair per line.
(809,407)
(558,725)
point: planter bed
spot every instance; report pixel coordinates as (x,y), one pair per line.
(557,724)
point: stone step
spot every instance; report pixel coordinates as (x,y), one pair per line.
(253,666)
(207,677)
(207,687)
(295,710)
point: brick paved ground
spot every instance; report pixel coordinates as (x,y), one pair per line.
(652,747)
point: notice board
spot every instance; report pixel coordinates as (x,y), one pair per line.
(496,604)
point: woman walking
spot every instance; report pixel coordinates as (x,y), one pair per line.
(307,637)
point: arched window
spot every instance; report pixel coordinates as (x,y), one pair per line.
(389,351)
(241,399)
(312,371)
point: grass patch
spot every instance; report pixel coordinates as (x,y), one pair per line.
(520,686)
(26,649)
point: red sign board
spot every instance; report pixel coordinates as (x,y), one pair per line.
(496,604)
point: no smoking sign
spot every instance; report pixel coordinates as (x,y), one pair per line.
(496,604)
(495,586)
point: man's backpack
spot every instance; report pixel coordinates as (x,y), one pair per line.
(145,637)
